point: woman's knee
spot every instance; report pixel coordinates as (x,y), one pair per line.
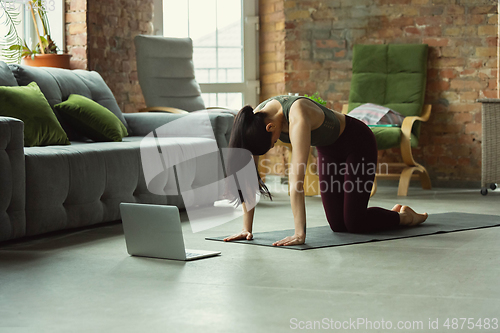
(338,227)
(354,223)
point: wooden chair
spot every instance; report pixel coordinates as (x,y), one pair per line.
(394,76)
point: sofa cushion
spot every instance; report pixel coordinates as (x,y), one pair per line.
(91,119)
(29,105)
(83,184)
(6,76)
(58,84)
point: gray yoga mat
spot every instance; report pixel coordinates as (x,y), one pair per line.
(323,236)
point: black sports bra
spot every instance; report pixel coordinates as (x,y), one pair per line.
(324,135)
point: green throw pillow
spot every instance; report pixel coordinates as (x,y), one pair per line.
(28,104)
(91,119)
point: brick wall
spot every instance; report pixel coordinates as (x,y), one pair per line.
(462,35)
(99,35)
(272,66)
(272,47)
(76,32)
(112,26)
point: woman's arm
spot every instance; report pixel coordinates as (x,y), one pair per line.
(248,214)
(300,138)
(246,232)
(247,218)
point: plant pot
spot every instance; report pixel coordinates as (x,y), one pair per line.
(48,60)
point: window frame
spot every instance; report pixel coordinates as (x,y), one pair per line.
(250,87)
(21,28)
(56,19)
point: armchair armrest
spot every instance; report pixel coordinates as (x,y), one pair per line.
(222,110)
(217,107)
(180,111)
(142,124)
(406,128)
(163,109)
(12,179)
(11,133)
(409,121)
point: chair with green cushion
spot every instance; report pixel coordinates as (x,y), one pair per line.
(394,76)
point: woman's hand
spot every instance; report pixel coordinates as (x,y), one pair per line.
(291,240)
(244,234)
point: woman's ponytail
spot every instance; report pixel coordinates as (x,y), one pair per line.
(249,132)
(242,121)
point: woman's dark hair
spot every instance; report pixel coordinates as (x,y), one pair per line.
(249,132)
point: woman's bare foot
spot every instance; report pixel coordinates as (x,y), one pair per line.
(397,208)
(409,217)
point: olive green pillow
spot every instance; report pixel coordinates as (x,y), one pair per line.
(91,119)
(28,104)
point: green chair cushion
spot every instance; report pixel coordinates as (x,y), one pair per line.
(390,137)
(91,119)
(392,75)
(28,104)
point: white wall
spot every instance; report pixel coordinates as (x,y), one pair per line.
(158,17)
(55,11)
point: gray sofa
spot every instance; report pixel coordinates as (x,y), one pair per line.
(50,188)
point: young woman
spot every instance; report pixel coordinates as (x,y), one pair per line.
(347,157)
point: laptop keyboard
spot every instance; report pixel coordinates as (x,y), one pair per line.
(191,255)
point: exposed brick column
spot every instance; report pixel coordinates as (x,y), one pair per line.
(272,48)
(100,36)
(272,67)
(76,32)
(112,26)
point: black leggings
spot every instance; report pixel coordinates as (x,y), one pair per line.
(346,172)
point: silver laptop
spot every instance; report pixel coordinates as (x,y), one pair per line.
(155,231)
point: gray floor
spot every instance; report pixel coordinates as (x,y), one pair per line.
(84,281)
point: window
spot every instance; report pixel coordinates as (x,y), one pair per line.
(56,13)
(24,24)
(12,11)
(224,34)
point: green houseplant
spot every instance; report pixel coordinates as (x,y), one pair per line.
(315,97)
(44,53)
(9,18)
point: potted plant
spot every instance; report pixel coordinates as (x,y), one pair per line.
(44,53)
(315,97)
